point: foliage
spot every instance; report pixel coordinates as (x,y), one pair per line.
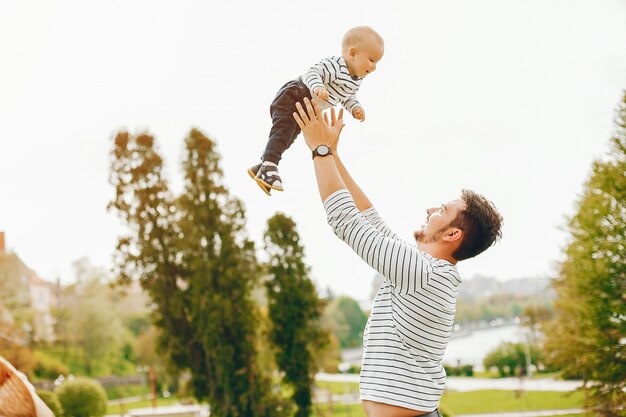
(94,324)
(294,310)
(121,391)
(587,337)
(82,397)
(462,370)
(20,356)
(510,358)
(52,401)
(329,356)
(534,315)
(191,255)
(49,367)
(346,319)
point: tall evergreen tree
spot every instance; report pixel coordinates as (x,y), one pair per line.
(294,310)
(192,256)
(587,339)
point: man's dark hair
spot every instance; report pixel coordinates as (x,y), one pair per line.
(481,225)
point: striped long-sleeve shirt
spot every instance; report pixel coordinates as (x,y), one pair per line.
(332,73)
(412,315)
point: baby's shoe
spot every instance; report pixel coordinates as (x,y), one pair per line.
(266,176)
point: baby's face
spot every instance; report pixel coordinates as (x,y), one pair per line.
(362,59)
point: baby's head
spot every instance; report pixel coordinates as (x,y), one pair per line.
(362,48)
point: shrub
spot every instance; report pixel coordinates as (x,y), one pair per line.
(52,401)
(49,367)
(510,358)
(354,369)
(467,370)
(82,397)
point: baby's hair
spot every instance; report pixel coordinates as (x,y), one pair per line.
(355,36)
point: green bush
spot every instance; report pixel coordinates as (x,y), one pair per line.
(354,369)
(49,368)
(82,397)
(467,370)
(510,358)
(52,401)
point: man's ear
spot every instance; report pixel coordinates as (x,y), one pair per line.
(352,51)
(453,234)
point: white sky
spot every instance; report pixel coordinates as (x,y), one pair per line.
(513,99)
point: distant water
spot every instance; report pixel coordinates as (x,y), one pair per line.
(472,349)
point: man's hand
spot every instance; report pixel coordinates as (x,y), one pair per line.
(332,122)
(359,113)
(315,128)
(321,93)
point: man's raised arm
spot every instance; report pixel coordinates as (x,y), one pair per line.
(318,132)
(360,199)
(326,132)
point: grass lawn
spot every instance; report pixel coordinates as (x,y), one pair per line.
(72,359)
(487,401)
(338,387)
(122,391)
(338,410)
(495,401)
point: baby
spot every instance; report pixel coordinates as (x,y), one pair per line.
(333,81)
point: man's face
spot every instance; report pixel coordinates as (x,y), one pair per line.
(438,220)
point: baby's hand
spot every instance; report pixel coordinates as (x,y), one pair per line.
(321,93)
(359,113)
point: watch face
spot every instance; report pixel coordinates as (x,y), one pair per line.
(323,150)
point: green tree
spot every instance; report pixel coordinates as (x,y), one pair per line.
(191,255)
(294,310)
(587,337)
(510,358)
(346,319)
(94,324)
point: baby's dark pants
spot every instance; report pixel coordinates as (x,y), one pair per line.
(284,127)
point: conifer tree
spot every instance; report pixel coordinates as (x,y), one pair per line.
(587,339)
(192,256)
(294,310)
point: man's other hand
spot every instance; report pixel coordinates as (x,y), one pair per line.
(316,128)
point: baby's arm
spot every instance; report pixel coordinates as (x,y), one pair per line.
(352,105)
(323,72)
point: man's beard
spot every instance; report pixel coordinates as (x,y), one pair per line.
(421,236)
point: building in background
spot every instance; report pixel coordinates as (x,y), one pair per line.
(25,297)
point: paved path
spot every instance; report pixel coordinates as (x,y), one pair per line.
(511,384)
(527,413)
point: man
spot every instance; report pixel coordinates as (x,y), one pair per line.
(413,313)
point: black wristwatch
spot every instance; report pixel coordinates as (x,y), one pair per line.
(322,150)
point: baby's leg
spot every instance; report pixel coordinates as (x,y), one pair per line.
(284,127)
